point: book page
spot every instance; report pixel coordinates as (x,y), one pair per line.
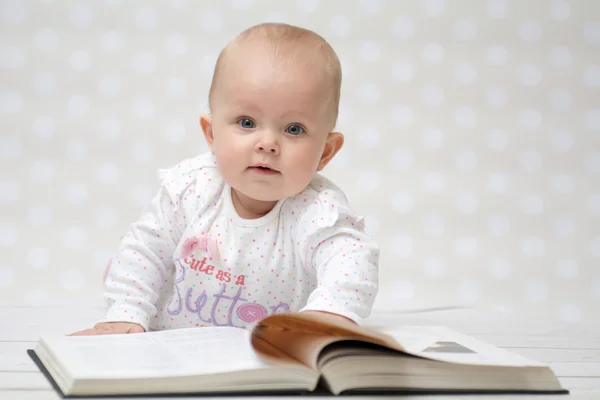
(165,353)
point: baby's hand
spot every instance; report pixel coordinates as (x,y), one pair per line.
(108,328)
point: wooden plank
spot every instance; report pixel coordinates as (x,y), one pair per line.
(14,357)
(560,355)
(29,395)
(576,369)
(23,381)
(542,342)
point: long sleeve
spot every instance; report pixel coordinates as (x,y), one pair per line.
(344,258)
(144,262)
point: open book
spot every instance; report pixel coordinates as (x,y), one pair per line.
(288,352)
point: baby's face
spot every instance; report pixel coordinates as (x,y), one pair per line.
(270,123)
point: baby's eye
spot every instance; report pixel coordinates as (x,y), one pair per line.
(294,130)
(246,123)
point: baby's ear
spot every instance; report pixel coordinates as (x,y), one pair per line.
(335,141)
(206,124)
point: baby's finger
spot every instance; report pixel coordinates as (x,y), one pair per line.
(87,332)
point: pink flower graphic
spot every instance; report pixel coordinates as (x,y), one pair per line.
(199,243)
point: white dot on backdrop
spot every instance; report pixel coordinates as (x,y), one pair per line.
(81,16)
(499,268)
(72,280)
(433,225)
(369,137)
(594,205)
(14,12)
(176,87)
(465,29)
(531,161)
(340,25)
(497,97)
(40,215)
(591,33)
(401,246)
(142,151)
(433,138)
(592,162)
(466,117)
(564,226)
(402,114)
(530,31)
(78,105)
(468,290)
(109,85)
(44,126)
(562,142)
(9,191)
(145,18)
(145,63)
(569,313)
(466,202)
(143,107)
(175,131)
(8,235)
(111,42)
(433,52)
(44,83)
(403,290)
(74,237)
(46,40)
(140,195)
(10,146)
(465,73)
(529,75)
(38,257)
(433,8)
(467,246)
(560,10)
(403,28)
(7,277)
(11,102)
(496,9)
(466,160)
(80,60)
(41,171)
(592,120)
(433,181)
(595,247)
(532,204)
(497,139)
(370,6)
(177,44)
(77,150)
(402,71)
(106,217)
(369,50)
(369,93)
(536,290)
(434,268)
(563,183)
(530,118)
(498,225)
(36,298)
(567,269)
(307,6)
(433,95)
(402,158)
(561,57)
(242,4)
(497,55)
(591,76)
(211,20)
(75,193)
(533,246)
(369,180)
(109,129)
(107,173)
(402,202)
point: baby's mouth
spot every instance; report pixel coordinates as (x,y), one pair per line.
(263,170)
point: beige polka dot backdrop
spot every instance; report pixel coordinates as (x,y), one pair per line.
(472,138)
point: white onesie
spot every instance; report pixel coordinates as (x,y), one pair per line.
(191,260)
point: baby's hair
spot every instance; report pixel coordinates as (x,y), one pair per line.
(285,40)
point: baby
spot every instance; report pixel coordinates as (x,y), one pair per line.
(250,228)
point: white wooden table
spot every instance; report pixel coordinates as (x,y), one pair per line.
(572,350)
